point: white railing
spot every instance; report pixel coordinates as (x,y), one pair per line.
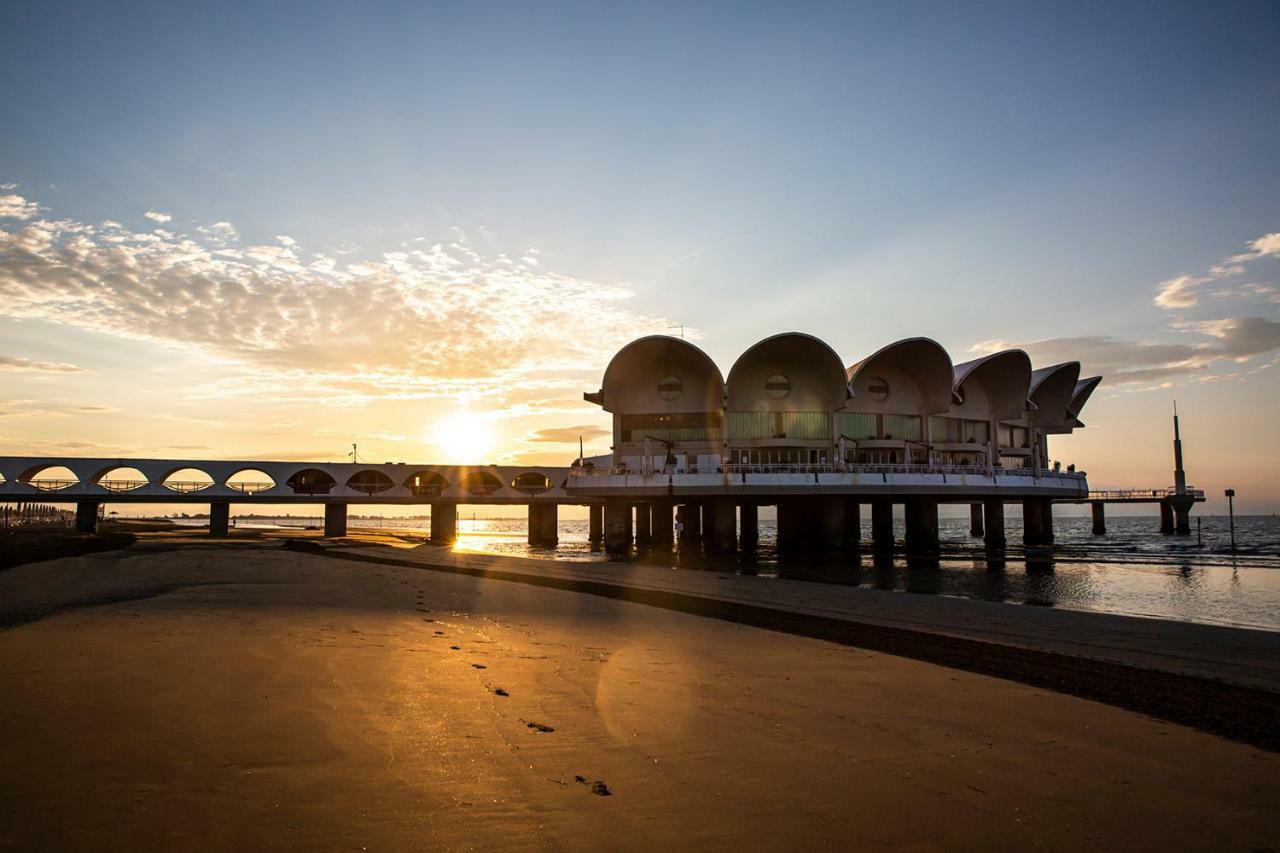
(738,470)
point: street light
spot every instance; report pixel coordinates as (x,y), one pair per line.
(1231,514)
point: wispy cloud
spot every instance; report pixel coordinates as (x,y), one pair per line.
(14,363)
(1182,291)
(568,435)
(436,321)
(1124,361)
(156,216)
(16,207)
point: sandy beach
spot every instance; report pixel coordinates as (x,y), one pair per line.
(242,696)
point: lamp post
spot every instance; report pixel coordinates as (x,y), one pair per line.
(1231,514)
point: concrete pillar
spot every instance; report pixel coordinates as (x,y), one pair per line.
(922,525)
(708,521)
(644,524)
(335,520)
(595,525)
(617,526)
(852,524)
(444,523)
(1046,520)
(1032,522)
(691,516)
(87,516)
(724,525)
(831,519)
(1182,515)
(660,529)
(219,518)
(791,524)
(993,521)
(1166,516)
(975,519)
(549,525)
(882,525)
(749,524)
(535,524)
(1099,510)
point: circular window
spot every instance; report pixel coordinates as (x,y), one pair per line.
(777,385)
(669,387)
(878,389)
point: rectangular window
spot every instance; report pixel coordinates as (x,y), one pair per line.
(856,425)
(903,426)
(804,426)
(690,426)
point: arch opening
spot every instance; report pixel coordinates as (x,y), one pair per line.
(481,483)
(426,484)
(121,479)
(531,483)
(370,482)
(187,480)
(311,481)
(250,481)
(50,478)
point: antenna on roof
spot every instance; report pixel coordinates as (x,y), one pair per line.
(355,457)
(679,326)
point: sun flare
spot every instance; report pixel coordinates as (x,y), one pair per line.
(463,438)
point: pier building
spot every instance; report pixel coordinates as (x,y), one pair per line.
(697,451)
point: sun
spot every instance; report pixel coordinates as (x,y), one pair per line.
(464,438)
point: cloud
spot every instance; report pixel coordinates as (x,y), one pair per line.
(16,207)
(434,321)
(14,363)
(1180,291)
(568,435)
(156,216)
(1123,361)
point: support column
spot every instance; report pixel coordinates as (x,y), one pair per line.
(1099,517)
(790,524)
(1182,516)
(852,524)
(691,516)
(444,523)
(335,520)
(922,525)
(661,532)
(882,525)
(535,524)
(975,519)
(644,524)
(1046,520)
(993,521)
(219,518)
(617,526)
(87,516)
(595,524)
(724,527)
(1166,516)
(749,522)
(1032,522)
(548,525)
(831,518)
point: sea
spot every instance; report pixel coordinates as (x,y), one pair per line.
(1132,569)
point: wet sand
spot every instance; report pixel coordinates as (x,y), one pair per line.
(242,696)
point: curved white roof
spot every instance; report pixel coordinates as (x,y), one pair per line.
(922,359)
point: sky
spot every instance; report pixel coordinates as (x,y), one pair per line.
(236,232)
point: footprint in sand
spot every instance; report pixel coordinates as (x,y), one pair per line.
(479,666)
(456,648)
(598,787)
(538,727)
(498,691)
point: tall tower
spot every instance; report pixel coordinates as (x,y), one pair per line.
(1179,475)
(1175,510)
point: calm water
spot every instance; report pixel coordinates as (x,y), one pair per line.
(1132,570)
